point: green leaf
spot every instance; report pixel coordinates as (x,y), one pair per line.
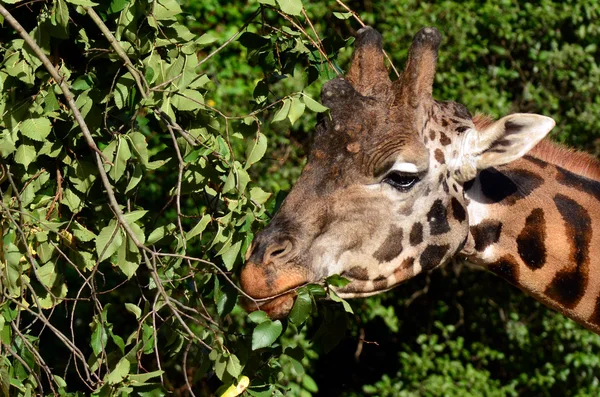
(220,366)
(47,274)
(242,177)
(25,154)
(122,155)
(117,6)
(99,338)
(231,254)
(188,100)
(104,242)
(199,228)
(302,307)
(166,9)
(122,89)
(291,7)
(258,195)
(62,13)
(334,297)
(316,290)
(229,182)
(313,105)
(205,39)
(139,146)
(256,151)
(120,372)
(337,281)
(128,257)
(258,317)
(284,111)
(309,384)
(342,15)
(51,102)
(267,2)
(135,178)
(134,309)
(85,3)
(81,233)
(72,200)
(160,232)
(133,216)
(143,378)
(234,368)
(296,109)
(7,144)
(225,298)
(265,334)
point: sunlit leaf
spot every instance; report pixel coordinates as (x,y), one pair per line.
(265,334)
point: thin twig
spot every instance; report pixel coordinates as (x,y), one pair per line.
(137,76)
(317,46)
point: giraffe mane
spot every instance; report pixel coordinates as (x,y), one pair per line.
(578,162)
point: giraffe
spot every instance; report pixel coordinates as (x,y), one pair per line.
(398,183)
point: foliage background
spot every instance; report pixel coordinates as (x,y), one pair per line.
(175,325)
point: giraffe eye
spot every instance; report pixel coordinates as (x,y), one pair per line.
(401,180)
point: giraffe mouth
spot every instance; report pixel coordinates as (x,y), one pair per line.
(271,289)
(276,308)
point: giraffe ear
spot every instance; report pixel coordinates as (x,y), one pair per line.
(507,139)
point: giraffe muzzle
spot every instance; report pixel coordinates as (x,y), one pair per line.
(271,289)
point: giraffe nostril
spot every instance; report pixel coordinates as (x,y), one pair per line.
(278,251)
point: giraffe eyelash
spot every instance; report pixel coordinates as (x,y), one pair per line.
(402,181)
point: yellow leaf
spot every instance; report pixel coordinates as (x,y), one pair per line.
(234,391)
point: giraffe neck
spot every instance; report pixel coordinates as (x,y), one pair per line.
(536,224)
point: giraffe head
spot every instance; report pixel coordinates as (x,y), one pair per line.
(381,197)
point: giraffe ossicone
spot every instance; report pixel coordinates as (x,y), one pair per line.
(398,183)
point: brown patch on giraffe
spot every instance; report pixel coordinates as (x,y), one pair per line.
(439,156)
(407,264)
(507,268)
(461,128)
(568,286)
(575,181)
(509,186)
(356,273)
(432,256)
(461,111)
(391,246)
(486,233)
(531,241)
(432,135)
(438,218)
(540,163)
(444,140)
(458,210)
(380,283)
(416,234)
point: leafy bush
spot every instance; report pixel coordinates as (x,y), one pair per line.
(128,201)
(199,138)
